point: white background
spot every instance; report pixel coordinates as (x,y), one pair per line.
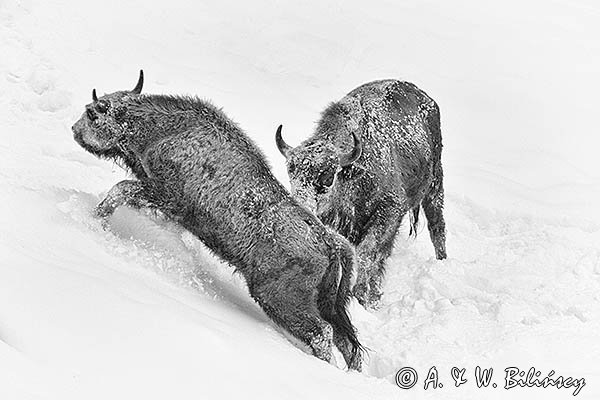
(144,311)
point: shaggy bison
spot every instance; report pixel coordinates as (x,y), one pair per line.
(197,167)
(375,155)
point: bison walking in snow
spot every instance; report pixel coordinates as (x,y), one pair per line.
(198,167)
(375,155)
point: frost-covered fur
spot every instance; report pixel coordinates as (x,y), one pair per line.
(198,167)
(399,170)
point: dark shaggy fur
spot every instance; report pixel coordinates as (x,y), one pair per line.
(398,172)
(198,167)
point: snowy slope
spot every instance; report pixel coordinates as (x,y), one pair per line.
(144,311)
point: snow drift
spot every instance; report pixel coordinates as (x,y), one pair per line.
(143,310)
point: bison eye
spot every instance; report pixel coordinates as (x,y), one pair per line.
(325,179)
(90,113)
(102,106)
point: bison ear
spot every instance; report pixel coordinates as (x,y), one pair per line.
(347,159)
(283,147)
(138,87)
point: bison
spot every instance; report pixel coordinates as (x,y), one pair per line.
(374,157)
(197,167)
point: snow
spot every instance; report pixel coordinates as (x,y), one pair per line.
(143,310)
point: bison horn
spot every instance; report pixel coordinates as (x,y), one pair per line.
(283,147)
(138,87)
(94,96)
(347,159)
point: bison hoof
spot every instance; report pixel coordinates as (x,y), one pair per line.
(368,297)
(373,304)
(322,343)
(360,292)
(102,213)
(104,209)
(356,363)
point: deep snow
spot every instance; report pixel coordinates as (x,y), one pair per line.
(144,311)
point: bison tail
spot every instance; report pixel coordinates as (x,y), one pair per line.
(335,295)
(414,220)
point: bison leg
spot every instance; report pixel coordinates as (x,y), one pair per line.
(130,193)
(433,204)
(353,360)
(372,251)
(303,322)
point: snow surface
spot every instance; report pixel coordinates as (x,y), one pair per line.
(144,311)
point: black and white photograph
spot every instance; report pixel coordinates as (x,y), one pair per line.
(299,199)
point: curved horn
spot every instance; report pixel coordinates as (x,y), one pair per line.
(94,96)
(138,87)
(348,159)
(283,147)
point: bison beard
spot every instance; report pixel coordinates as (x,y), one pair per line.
(197,167)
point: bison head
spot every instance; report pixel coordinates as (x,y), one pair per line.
(313,168)
(102,126)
